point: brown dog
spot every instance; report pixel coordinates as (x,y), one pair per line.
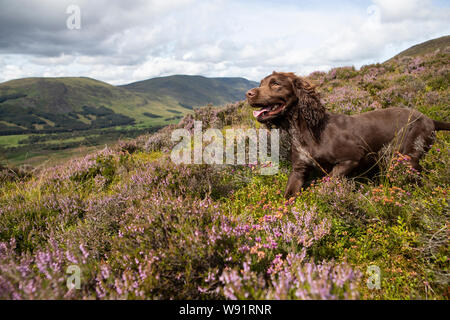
(340,142)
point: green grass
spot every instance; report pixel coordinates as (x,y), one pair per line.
(13,140)
(50,149)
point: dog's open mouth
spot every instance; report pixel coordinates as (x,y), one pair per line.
(269,110)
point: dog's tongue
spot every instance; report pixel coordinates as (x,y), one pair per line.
(256,114)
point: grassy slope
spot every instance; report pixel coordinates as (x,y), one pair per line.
(195,90)
(140,226)
(62,95)
(426,47)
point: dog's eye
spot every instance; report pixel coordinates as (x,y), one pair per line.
(275,84)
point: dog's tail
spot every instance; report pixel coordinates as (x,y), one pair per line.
(439,125)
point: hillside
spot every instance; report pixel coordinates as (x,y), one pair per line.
(195,90)
(427,47)
(141,227)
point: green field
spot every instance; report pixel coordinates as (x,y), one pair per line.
(12,141)
(49,149)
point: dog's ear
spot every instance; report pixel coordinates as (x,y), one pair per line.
(310,107)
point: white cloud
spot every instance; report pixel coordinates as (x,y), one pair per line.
(63,59)
(399,10)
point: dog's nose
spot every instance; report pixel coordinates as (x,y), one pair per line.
(251,93)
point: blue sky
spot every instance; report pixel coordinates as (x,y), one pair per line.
(121,42)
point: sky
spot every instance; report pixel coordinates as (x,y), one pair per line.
(125,41)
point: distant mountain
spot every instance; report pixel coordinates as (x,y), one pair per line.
(45,105)
(195,90)
(431,46)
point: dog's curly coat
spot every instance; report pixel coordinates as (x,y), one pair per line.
(336,141)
